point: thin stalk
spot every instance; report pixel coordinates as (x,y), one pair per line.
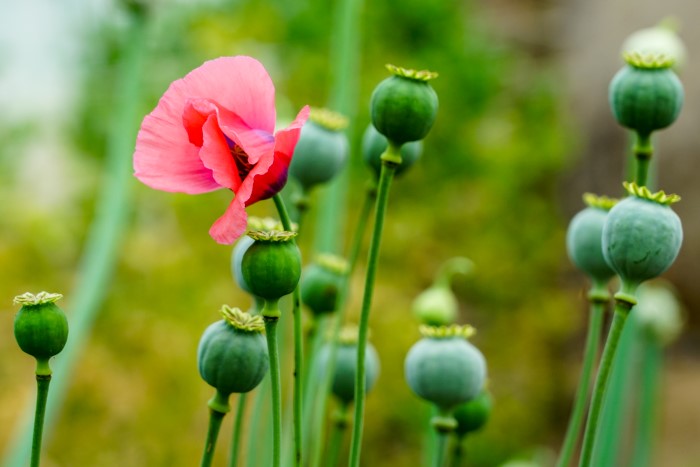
(590,354)
(643,151)
(457,452)
(622,309)
(111,217)
(340,425)
(237,428)
(610,438)
(215,419)
(385,178)
(298,346)
(440,448)
(42,394)
(271,335)
(648,407)
(319,412)
(312,391)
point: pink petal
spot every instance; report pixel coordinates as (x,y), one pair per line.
(239,84)
(229,227)
(273,179)
(164,159)
(216,155)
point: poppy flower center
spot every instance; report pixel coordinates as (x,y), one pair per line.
(240,158)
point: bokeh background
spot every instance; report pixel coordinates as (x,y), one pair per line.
(523,130)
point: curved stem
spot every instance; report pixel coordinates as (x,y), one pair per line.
(298,346)
(42,393)
(215,418)
(237,426)
(622,309)
(336,439)
(385,178)
(590,354)
(271,335)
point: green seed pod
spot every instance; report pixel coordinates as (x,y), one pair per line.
(41,327)
(404,106)
(473,415)
(659,311)
(343,386)
(322,149)
(374,144)
(584,238)
(444,368)
(646,95)
(271,266)
(232,353)
(321,282)
(642,235)
(266,224)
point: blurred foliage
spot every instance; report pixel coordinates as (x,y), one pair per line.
(485,188)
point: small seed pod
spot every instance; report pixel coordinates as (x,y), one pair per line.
(404,106)
(271,266)
(437,305)
(584,238)
(473,415)
(343,386)
(659,311)
(444,368)
(641,236)
(321,282)
(232,353)
(646,95)
(41,327)
(322,149)
(374,144)
(254,224)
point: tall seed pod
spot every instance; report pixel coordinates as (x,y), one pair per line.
(374,144)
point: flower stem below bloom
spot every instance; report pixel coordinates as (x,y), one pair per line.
(215,419)
(298,345)
(237,428)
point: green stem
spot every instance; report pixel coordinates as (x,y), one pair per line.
(643,151)
(312,391)
(103,240)
(385,178)
(457,452)
(271,334)
(215,418)
(42,393)
(590,354)
(298,346)
(648,404)
(321,404)
(237,429)
(440,447)
(622,309)
(336,439)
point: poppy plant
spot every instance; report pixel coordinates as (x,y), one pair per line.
(214,129)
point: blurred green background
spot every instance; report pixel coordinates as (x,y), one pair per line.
(523,129)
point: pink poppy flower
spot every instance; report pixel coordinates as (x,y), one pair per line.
(214,129)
